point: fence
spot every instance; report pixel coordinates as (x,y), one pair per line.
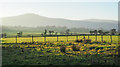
(15,39)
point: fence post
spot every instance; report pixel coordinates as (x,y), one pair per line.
(111,38)
(45,38)
(84,37)
(77,37)
(16,39)
(102,38)
(67,38)
(32,38)
(96,38)
(57,38)
(88,36)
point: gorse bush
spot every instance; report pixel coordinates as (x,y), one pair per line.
(62,49)
(79,41)
(87,41)
(76,48)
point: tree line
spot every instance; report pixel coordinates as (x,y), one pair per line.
(67,32)
(101,32)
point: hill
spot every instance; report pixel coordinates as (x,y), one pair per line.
(34,20)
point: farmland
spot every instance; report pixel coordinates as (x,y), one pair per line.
(59,33)
(60,38)
(26,52)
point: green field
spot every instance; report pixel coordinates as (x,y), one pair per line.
(49,52)
(60,38)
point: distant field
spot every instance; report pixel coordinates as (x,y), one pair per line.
(60,38)
(24,33)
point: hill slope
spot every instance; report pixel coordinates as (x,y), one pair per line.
(33,20)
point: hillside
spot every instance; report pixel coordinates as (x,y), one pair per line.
(34,20)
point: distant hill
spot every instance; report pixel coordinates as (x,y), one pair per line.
(34,20)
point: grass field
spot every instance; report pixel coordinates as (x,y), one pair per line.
(60,38)
(49,52)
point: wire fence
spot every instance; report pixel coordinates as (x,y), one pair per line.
(60,38)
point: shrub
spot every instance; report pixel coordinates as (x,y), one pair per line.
(87,41)
(91,48)
(96,42)
(104,42)
(62,49)
(76,48)
(79,41)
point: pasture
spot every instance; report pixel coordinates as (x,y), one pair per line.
(60,38)
(50,54)
(39,52)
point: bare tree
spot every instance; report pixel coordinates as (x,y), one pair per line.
(67,31)
(19,34)
(50,32)
(106,33)
(100,32)
(41,34)
(95,32)
(113,31)
(4,35)
(91,32)
(45,32)
(55,33)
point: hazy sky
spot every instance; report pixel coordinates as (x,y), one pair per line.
(67,10)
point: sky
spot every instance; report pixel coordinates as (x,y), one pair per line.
(73,10)
(59,1)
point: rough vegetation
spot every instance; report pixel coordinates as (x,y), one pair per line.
(76,52)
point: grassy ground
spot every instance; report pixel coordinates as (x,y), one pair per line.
(50,54)
(61,38)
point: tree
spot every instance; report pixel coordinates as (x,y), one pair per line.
(50,32)
(45,32)
(55,33)
(91,32)
(95,32)
(113,31)
(19,34)
(67,31)
(42,34)
(100,32)
(4,35)
(106,33)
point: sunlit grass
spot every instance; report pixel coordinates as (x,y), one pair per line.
(51,51)
(60,38)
